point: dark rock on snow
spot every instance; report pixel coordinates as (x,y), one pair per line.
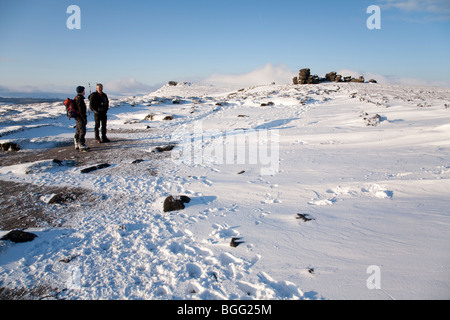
(164,149)
(235,242)
(373,121)
(18,236)
(9,146)
(304,217)
(61,198)
(94,168)
(175,203)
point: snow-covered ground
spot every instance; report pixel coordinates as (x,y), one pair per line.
(251,160)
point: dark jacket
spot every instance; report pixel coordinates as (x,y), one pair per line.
(99,104)
(80,106)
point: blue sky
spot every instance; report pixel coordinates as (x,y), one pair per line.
(138,44)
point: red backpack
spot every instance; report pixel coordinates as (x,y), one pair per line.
(70,108)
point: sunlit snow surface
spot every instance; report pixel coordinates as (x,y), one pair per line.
(378,196)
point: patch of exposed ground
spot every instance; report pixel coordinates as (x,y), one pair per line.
(38,293)
(27,206)
(97,152)
(24,205)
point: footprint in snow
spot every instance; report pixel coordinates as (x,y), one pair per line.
(194,270)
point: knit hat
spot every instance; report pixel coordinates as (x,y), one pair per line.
(80,89)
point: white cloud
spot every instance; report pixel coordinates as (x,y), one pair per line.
(127,87)
(114,88)
(37,91)
(416,81)
(433,10)
(432,6)
(279,74)
(393,79)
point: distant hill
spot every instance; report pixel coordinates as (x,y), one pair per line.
(28,100)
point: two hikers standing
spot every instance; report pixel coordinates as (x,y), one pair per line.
(99,103)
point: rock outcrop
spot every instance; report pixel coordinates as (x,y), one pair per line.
(305,77)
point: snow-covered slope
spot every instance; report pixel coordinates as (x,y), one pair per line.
(251,160)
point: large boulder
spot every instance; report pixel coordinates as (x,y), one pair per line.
(304,76)
(331,76)
(347,79)
(314,79)
(360,79)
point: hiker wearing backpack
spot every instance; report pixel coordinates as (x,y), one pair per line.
(81,119)
(99,103)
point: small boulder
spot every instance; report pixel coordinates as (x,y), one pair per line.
(163,149)
(304,217)
(61,198)
(175,203)
(373,121)
(19,236)
(95,168)
(235,242)
(9,146)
